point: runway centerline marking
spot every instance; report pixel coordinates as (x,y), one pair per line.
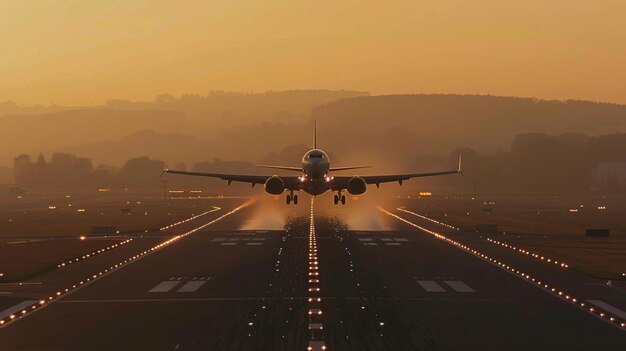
(316,336)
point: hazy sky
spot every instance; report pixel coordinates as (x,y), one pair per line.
(84,51)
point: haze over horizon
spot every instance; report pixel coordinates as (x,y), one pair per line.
(83,53)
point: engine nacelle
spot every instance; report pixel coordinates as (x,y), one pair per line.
(274,185)
(356,186)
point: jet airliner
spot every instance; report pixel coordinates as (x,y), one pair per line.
(315,177)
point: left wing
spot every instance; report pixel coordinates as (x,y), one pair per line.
(291,183)
(285,168)
(342,182)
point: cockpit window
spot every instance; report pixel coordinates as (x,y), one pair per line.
(316,156)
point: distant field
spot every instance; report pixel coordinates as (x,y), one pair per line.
(74,213)
(42,229)
(545,224)
(22,259)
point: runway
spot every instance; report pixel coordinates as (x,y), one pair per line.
(314,284)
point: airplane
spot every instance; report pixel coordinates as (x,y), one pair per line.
(315,178)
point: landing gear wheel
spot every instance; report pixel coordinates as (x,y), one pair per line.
(336,199)
(295,199)
(343,199)
(288,198)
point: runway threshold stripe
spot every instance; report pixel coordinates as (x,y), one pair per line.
(430,286)
(191,286)
(16,309)
(605,306)
(459,286)
(164,286)
(305,298)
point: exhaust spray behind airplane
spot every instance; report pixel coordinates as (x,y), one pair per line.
(315,177)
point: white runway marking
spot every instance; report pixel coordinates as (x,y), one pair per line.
(393,244)
(371,244)
(164,286)
(219,239)
(16,309)
(401,239)
(256,244)
(605,306)
(366,239)
(430,286)
(228,244)
(191,286)
(386,239)
(459,286)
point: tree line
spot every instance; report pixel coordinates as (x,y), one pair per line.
(535,162)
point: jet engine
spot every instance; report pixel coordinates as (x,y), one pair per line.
(274,185)
(356,186)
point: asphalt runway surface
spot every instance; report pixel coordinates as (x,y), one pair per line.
(313,284)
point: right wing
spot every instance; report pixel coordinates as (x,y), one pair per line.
(291,183)
(347,168)
(340,183)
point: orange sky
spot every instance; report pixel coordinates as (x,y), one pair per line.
(80,52)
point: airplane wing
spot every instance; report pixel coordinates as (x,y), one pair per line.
(334,169)
(291,183)
(286,168)
(340,183)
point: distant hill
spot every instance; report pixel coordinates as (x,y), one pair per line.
(231,107)
(55,131)
(435,123)
(57,128)
(389,132)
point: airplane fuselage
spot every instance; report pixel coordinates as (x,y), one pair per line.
(315,168)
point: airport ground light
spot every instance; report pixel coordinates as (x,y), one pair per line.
(110,247)
(46,301)
(314,314)
(493,241)
(559,293)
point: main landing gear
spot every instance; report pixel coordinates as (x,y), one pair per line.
(291,197)
(339,197)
